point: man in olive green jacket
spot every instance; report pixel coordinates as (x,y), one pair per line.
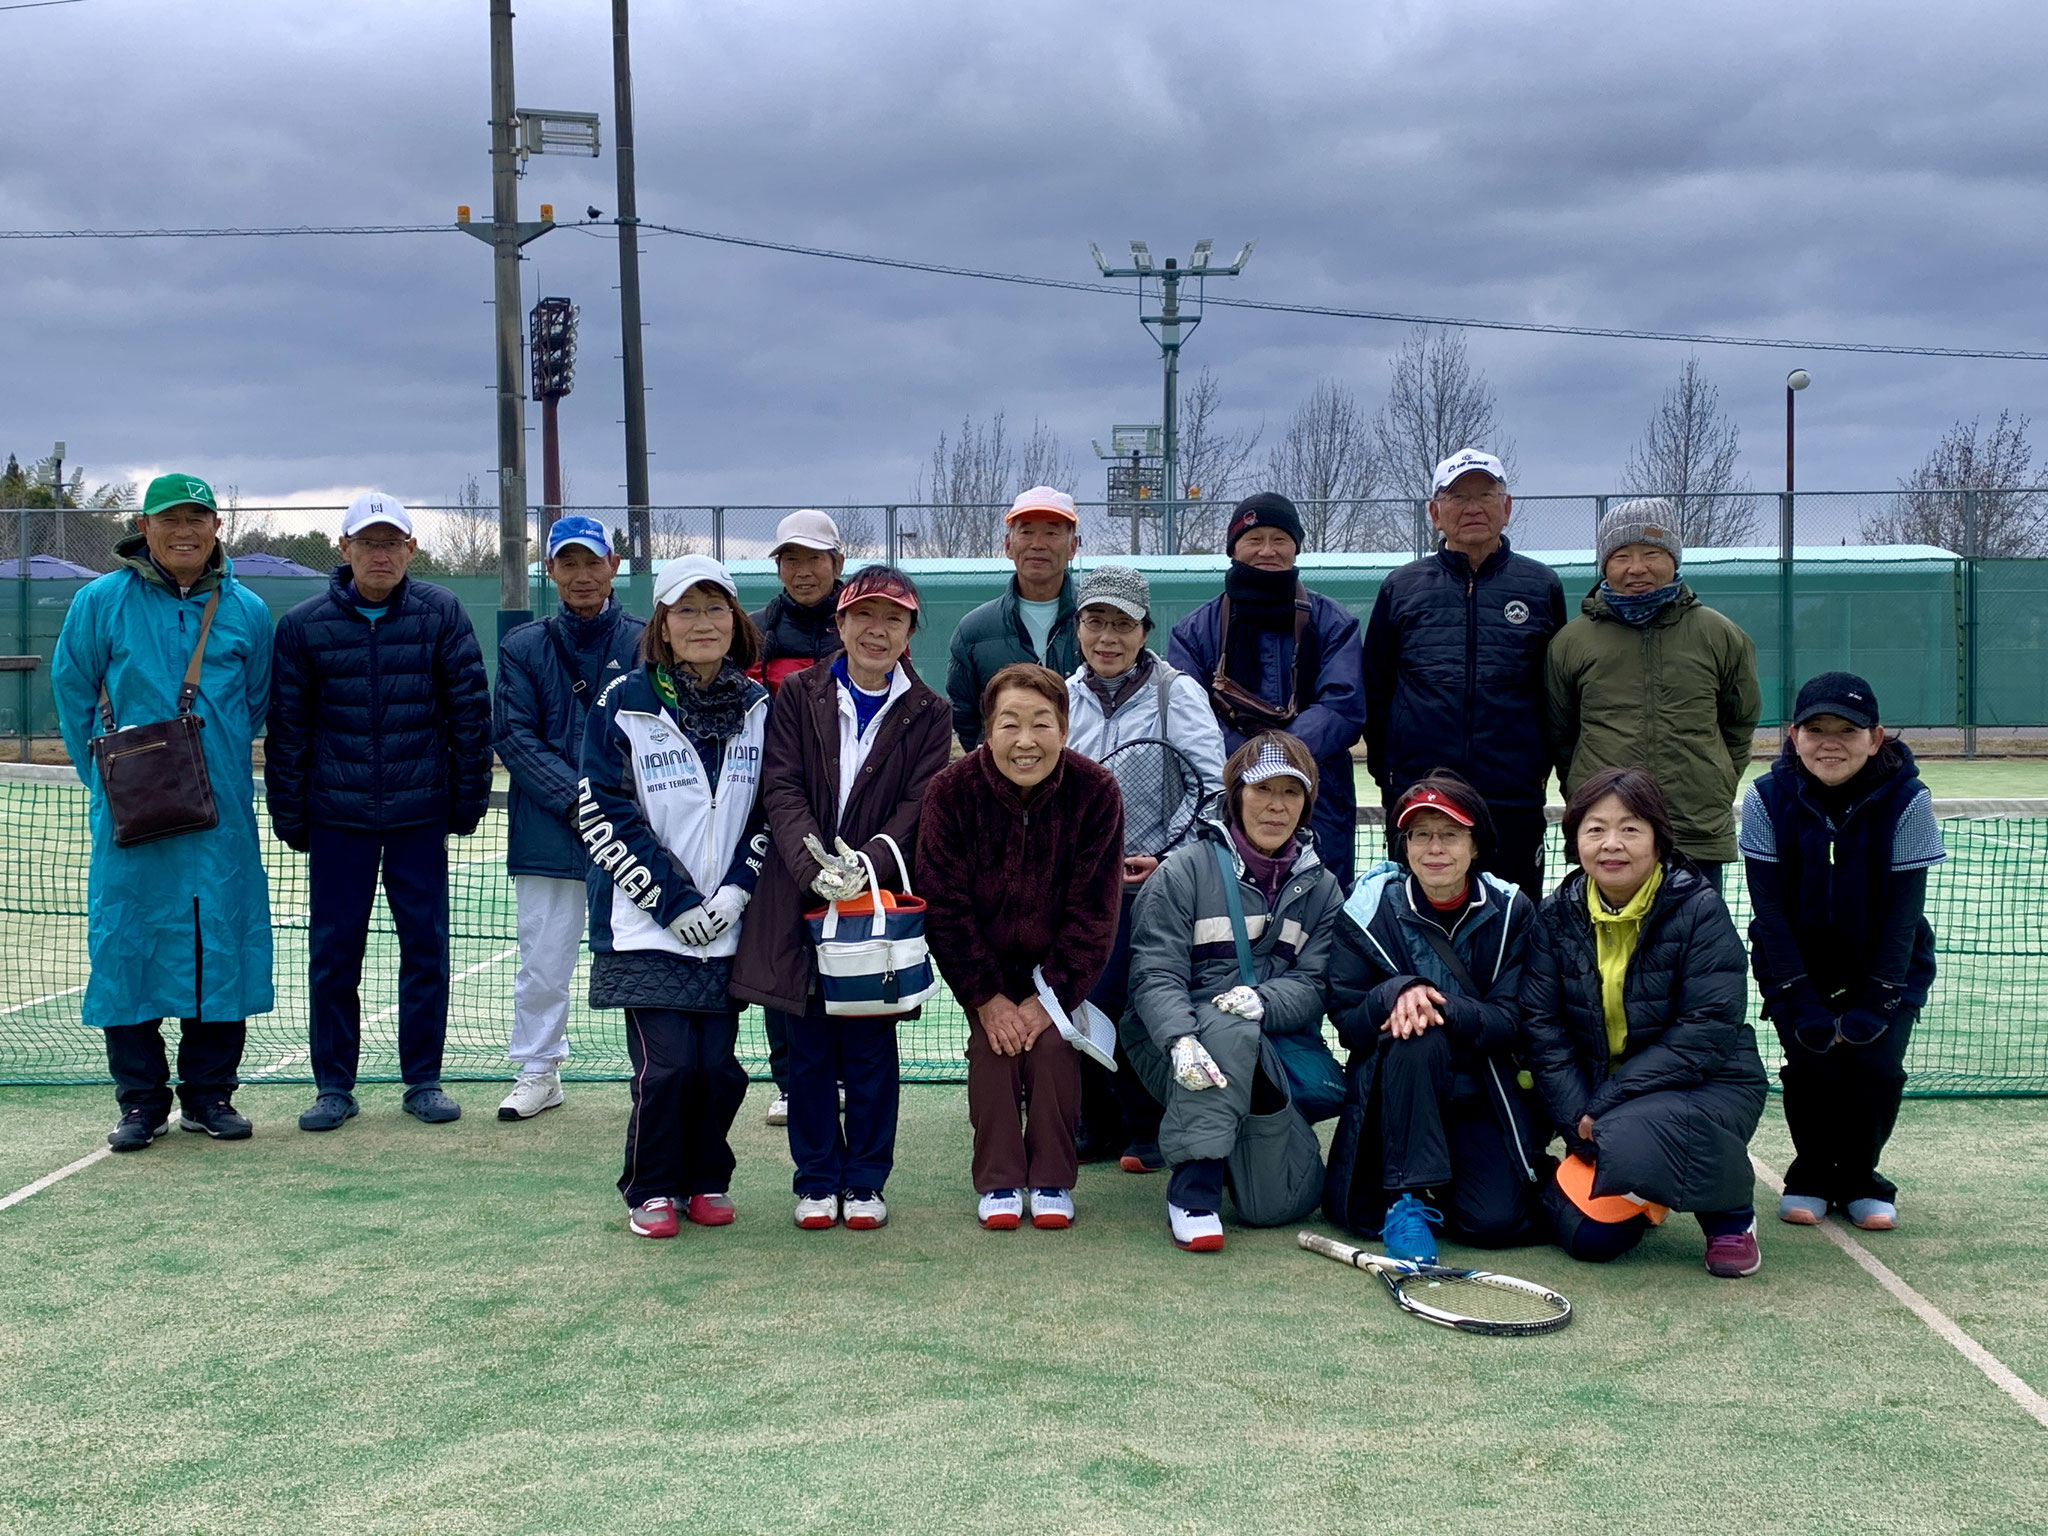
(1650,677)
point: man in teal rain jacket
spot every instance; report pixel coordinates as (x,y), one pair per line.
(178,928)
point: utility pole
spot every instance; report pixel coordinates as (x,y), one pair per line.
(514,596)
(515,135)
(1170,328)
(639,524)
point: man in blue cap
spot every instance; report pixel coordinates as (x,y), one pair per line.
(548,674)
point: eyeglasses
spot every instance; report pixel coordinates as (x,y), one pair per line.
(1471,498)
(1444,837)
(1096,626)
(380,546)
(692,613)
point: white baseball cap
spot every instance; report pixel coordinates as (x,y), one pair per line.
(678,576)
(807,529)
(1042,500)
(372,508)
(1463,462)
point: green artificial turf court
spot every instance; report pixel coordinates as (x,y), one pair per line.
(409,1328)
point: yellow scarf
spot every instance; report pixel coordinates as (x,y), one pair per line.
(1614,941)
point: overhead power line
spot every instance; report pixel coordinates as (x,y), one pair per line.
(1026,280)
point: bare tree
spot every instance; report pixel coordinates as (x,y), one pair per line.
(1327,461)
(1687,455)
(467,542)
(858,534)
(972,477)
(1436,404)
(1213,472)
(2011,514)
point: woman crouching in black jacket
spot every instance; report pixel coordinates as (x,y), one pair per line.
(1633,1002)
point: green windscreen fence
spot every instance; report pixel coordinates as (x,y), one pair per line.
(1985,1030)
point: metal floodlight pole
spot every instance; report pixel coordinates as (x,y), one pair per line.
(551,331)
(639,522)
(1171,329)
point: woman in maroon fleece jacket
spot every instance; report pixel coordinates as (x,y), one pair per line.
(1020,862)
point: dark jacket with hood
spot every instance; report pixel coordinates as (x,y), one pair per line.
(1329,723)
(794,637)
(1381,950)
(538,717)
(1454,674)
(777,962)
(1672,1116)
(1840,921)
(377,725)
(1011,883)
(1676,698)
(993,637)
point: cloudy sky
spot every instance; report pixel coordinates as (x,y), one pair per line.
(1865,172)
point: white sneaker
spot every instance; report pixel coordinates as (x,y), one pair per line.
(865,1210)
(778,1110)
(1196,1231)
(534,1092)
(1002,1209)
(1052,1209)
(814,1213)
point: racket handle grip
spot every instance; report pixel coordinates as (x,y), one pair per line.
(1328,1247)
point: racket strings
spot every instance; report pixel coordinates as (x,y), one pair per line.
(1482,1298)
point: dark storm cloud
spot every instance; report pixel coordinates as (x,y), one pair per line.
(1859,175)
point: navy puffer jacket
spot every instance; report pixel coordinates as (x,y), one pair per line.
(538,720)
(1454,674)
(377,725)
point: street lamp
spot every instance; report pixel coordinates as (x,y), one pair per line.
(1170,328)
(1788,674)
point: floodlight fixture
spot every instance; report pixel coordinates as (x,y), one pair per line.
(1199,262)
(1101,261)
(542,131)
(1237,264)
(1141,256)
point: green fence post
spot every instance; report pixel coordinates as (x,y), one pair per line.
(1966,647)
(1788,676)
(21,627)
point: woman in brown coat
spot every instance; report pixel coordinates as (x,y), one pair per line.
(1020,855)
(851,745)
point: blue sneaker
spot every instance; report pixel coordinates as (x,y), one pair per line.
(1405,1233)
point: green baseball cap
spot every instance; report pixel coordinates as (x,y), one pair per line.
(167,491)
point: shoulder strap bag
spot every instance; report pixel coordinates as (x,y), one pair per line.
(578,686)
(154,776)
(1236,706)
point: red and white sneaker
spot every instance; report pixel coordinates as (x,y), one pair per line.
(814,1213)
(1735,1255)
(1052,1210)
(1195,1231)
(711,1210)
(1002,1210)
(864,1209)
(654,1217)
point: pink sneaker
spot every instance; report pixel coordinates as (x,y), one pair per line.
(711,1210)
(655,1217)
(1735,1255)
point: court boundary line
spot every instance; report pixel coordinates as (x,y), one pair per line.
(1944,1327)
(37,1186)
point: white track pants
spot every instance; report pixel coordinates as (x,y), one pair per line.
(552,917)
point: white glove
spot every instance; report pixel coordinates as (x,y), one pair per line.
(698,927)
(841,876)
(1242,1001)
(726,905)
(1194,1068)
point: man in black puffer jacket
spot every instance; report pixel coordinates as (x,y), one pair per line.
(1454,665)
(379,747)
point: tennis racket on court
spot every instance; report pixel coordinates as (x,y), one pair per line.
(1470,1300)
(1162,794)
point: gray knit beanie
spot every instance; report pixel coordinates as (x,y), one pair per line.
(1641,522)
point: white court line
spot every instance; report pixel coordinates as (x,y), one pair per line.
(37,1002)
(279,1065)
(48,1179)
(2001,1376)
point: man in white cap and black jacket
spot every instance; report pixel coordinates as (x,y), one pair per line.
(1454,664)
(1276,656)
(799,626)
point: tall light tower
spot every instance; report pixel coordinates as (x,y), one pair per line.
(551,338)
(1170,328)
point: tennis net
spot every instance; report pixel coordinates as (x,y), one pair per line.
(1985,1030)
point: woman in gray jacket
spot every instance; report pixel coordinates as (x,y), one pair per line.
(1230,940)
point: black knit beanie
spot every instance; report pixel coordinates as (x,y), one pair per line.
(1267,509)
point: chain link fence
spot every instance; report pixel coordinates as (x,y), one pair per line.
(1937,596)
